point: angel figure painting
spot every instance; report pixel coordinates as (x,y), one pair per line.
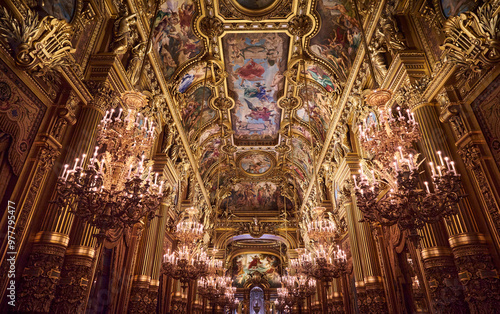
(339,37)
(255,63)
(246,264)
(173,37)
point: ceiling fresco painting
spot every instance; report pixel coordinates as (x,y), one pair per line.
(208,133)
(256,163)
(173,36)
(321,76)
(255,196)
(339,36)
(246,264)
(255,63)
(318,108)
(301,154)
(196,73)
(210,155)
(196,112)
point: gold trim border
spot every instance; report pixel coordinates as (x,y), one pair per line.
(52,238)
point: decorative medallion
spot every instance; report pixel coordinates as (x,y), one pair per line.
(255,9)
(256,163)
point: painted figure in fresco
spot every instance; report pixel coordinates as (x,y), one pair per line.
(251,71)
(259,113)
(255,263)
(258,91)
(173,37)
(322,78)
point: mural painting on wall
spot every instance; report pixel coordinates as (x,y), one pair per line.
(197,111)
(255,196)
(256,163)
(339,36)
(210,155)
(255,63)
(318,108)
(266,264)
(173,36)
(454,7)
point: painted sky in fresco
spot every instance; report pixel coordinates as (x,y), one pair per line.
(255,63)
(246,264)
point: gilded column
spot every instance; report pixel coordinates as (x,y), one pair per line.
(44,266)
(337,298)
(154,284)
(472,258)
(139,297)
(373,297)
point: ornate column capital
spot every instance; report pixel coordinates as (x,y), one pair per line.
(103,95)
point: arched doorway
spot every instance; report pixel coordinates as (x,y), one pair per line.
(257,305)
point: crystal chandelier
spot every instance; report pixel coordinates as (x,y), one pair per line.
(187,262)
(116,191)
(299,286)
(393,129)
(404,202)
(285,300)
(324,260)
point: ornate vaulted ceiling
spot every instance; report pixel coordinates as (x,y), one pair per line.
(255,84)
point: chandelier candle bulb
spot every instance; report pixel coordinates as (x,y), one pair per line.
(453,167)
(440,157)
(431,164)
(64,171)
(83,159)
(76,163)
(439,170)
(427,187)
(119,114)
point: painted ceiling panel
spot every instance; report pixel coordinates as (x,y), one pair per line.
(174,39)
(339,36)
(196,112)
(254,196)
(255,64)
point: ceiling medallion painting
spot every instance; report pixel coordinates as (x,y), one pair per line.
(339,37)
(255,9)
(173,36)
(256,163)
(255,64)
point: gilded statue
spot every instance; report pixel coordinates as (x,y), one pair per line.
(122,32)
(135,64)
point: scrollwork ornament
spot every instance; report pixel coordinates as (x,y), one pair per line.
(223,103)
(211,26)
(300,25)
